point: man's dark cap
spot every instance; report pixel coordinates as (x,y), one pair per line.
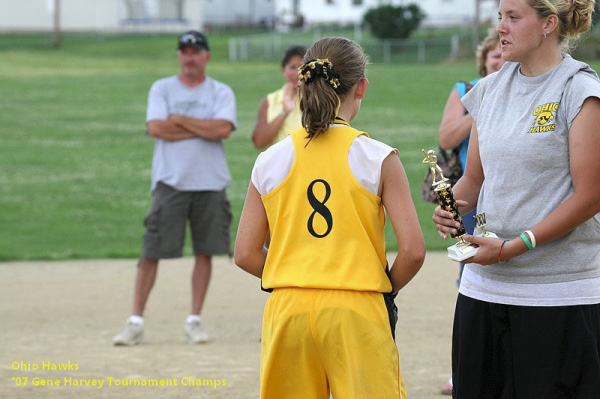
(193,39)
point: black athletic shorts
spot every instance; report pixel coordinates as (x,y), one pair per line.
(522,352)
(209,216)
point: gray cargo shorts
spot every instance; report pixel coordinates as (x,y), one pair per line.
(209,215)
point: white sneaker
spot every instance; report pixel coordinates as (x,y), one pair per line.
(195,332)
(130,334)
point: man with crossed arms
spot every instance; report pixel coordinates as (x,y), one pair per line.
(189,115)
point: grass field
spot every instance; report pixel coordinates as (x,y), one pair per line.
(75,160)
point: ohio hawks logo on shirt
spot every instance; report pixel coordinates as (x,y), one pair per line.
(544,118)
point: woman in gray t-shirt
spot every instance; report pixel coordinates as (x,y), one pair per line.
(527,322)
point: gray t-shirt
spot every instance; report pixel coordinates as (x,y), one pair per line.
(194,164)
(523,125)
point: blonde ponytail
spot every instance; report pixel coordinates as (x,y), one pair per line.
(332,66)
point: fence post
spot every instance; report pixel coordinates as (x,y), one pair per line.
(421,51)
(277,45)
(454,46)
(357,32)
(244,49)
(316,34)
(232,49)
(387,51)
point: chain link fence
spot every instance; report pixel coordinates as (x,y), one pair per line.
(269,49)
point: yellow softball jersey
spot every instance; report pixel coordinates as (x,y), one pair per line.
(327,230)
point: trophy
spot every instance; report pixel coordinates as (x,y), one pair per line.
(462,249)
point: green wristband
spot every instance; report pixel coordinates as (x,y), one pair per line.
(526,241)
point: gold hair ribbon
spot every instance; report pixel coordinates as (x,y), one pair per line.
(321,67)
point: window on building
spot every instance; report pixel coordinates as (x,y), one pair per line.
(357,2)
(328,1)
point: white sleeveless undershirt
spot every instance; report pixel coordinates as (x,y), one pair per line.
(365,158)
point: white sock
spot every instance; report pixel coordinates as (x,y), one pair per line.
(133,319)
(192,318)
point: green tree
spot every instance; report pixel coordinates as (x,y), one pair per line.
(394,22)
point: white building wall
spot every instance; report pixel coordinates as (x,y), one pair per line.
(242,12)
(447,12)
(38,15)
(194,14)
(439,12)
(93,15)
(325,11)
(111,15)
(456,12)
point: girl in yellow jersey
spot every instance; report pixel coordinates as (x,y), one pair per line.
(321,194)
(279,111)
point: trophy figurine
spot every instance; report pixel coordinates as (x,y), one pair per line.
(480,223)
(462,249)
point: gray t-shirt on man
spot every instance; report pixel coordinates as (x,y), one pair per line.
(194,164)
(523,128)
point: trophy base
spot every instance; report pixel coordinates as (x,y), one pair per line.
(459,252)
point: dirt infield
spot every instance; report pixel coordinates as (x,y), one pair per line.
(57,320)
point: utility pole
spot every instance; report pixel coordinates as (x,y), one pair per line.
(57,37)
(476,18)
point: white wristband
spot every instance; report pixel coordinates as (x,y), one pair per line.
(531,237)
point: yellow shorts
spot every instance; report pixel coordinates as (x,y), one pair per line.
(318,341)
